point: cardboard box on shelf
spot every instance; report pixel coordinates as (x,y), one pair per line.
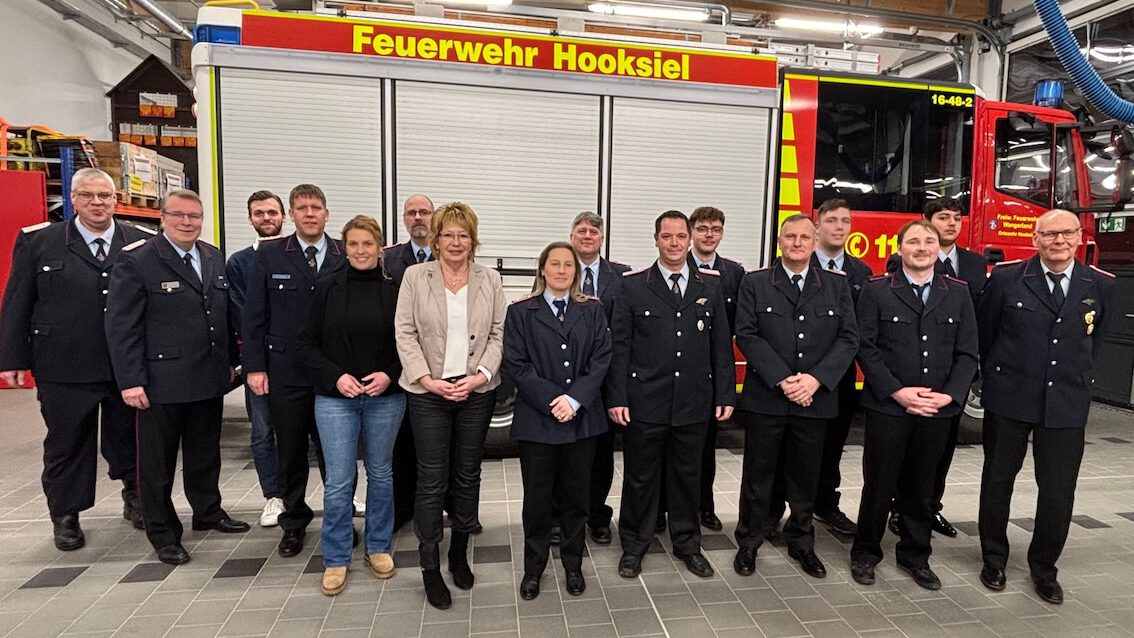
(133,168)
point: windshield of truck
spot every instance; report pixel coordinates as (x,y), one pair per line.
(1035,162)
(891,149)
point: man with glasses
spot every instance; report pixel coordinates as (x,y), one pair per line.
(1041,328)
(174,360)
(280,289)
(52,325)
(417,214)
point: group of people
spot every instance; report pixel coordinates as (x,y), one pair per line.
(346,345)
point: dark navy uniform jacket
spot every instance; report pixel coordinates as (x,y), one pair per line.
(397,258)
(546,357)
(972,268)
(238,268)
(780,336)
(855,269)
(672,362)
(1038,361)
(730,275)
(280,289)
(904,344)
(609,284)
(55,304)
(167,328)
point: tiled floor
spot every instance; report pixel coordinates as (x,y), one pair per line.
(239,586)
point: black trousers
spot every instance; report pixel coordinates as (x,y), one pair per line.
(71,412)
(1057,454)
(405,474)
(558,474)
(827,495)
(709,468)
(195,427)
(796,443)
(602,476)
(902,502)
(449,437)
(653,454)
(899,450)
(292,411)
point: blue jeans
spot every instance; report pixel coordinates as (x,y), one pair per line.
(263,444)
(342,422)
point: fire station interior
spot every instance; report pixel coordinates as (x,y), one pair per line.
(1006,107)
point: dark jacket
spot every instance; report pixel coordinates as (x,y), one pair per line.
(609,284)
(856,270)
(545,358)
(672,363)
(972,269)
(397,258)
(324,344)
(780,335)
(237,269)
(904,344)
(280,290)
(167,329)
(1037,361)
(731,273)
(55,302)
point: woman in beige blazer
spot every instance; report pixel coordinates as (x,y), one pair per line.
(449,329)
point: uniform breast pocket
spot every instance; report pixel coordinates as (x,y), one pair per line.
(823,312)
(221,283)
(646,319)
(160,353)
(278,283)
(892,323)
(1020,305)
(767,316)
(704,318)
(47,274)
(167,288)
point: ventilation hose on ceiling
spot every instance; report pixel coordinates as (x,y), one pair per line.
(1084,76)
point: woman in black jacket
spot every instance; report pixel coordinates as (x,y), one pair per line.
(556,351)
(348,344)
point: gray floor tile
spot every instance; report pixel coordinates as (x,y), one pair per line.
(492,554)
(543,626)
(146,626)
(586,612)
(398,625)
(244,623)
(445,630)
(490,619)
(727,615)
(636,622)
(779,624)
(628,597)
(691,627)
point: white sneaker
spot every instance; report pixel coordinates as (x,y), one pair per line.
(359,508)
(272,510)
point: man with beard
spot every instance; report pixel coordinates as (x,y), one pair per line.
(417,213)
(265,213)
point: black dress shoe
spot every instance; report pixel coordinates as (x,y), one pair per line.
(529,587)
(923,576)
(895,524)
(943,526)
(709,520)
(838,522)
(810,563)
(476,528)
(556,535)
(862,572)
(132,511)
(1049,590)
(992,578)
(292,542)
(225,525)
(601,535)
(436,592)
(697,565)
(659,524)
(576,585)
(745,561)
(173,554)
(629,566)
(68,535)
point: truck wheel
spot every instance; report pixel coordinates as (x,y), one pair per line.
(972,418)
(498,443)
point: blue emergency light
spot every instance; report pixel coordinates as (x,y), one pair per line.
(1049,93)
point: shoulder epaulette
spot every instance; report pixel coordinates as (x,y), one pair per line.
(145,229)
(749,272)
(636,272)
(1007,263)
(885,275)
(523,298)
(272,238)
(1102,272)
(710,271)
(956,280)
(592,298)
(835,272)
(35,227)
(618,263)
(134,245)
(393,246)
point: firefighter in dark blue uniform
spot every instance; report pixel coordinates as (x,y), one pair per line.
(174,360)
(280,289)
(1041,328)
(671,374)
(795,326)
(918,355)
(52,325)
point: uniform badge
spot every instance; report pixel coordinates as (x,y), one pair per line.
(170,286)
(700,325)
(1089,319)
(1088,302)
(702,301)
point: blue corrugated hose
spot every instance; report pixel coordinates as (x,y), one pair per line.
(1084,76)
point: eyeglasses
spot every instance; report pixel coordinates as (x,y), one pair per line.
(86,196)
(1050,235)
(461,238)
(195,217)
(709,230)
(421,212)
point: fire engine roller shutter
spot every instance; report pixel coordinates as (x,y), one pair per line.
(267,143)
(526,161)
(680,155)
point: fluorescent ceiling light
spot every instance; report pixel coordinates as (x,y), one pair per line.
(649,11)
(488,3)
(847,26)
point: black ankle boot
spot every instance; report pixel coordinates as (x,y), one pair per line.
(131,508)
(459,560)
(435,590)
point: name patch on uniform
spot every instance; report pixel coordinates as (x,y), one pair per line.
(281,276)
(170,286)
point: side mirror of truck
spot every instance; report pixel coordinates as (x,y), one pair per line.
(1124,181)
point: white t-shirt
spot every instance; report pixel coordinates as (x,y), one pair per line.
(457,339)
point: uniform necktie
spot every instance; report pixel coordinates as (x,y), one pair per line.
(704,267)
(945,267)
(312,263)
(420,255)
(188,259)
(921,290)
(589,282)
(676,288)
(831,264)
(560,308)
(1057,288)
(795,287)
(100,249)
